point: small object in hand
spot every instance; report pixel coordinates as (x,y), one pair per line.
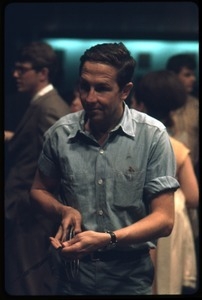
(59,248)
(72,267)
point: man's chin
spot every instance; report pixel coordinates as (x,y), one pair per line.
(96,119)
(19,88)
(95,114)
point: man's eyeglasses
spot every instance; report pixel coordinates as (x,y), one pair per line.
(21,70)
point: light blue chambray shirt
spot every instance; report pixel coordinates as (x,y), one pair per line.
(112,185)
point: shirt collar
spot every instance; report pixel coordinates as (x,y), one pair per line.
(126,124)
(43,91)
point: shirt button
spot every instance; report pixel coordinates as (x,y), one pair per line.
(100,181)
(101,151)
(100,212)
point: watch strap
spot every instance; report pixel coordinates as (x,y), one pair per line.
(113,238)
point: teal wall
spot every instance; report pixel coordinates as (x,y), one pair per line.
(150,55)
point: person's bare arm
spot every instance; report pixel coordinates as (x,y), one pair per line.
(158,223)
(188,183)
(42,197)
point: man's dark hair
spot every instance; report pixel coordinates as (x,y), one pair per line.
(40,55)
(177,62)
(113,54)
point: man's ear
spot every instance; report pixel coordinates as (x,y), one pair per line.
(44,74)
(126,90)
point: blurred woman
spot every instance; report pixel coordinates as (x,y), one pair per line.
(158,93)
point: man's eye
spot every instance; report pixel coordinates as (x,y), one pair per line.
(84,87)
(99,89)
(102,88)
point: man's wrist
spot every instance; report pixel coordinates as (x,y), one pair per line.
(113,239)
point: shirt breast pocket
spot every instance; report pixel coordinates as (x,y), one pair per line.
(128,188)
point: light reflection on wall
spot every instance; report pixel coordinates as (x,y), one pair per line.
(150,55)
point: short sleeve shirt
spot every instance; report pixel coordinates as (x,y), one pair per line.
(111,185)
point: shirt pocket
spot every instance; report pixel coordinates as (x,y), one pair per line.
(128,188)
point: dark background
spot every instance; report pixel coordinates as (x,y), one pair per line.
(146,20)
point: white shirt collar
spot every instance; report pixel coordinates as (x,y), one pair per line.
(43,91)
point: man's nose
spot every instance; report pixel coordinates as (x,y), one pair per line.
(91,96)
(15,73)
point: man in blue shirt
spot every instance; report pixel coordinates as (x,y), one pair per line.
(108,173)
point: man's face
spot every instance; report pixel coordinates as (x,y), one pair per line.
(100,93)
(188,78)
(26,77)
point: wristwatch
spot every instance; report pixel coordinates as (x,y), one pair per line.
(113,241)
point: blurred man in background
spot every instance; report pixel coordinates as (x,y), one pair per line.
(27,268)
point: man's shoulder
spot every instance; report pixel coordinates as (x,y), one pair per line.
(145,119)
(192,100)
(53,95)
(191,107)
(68,121)
(53,100)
